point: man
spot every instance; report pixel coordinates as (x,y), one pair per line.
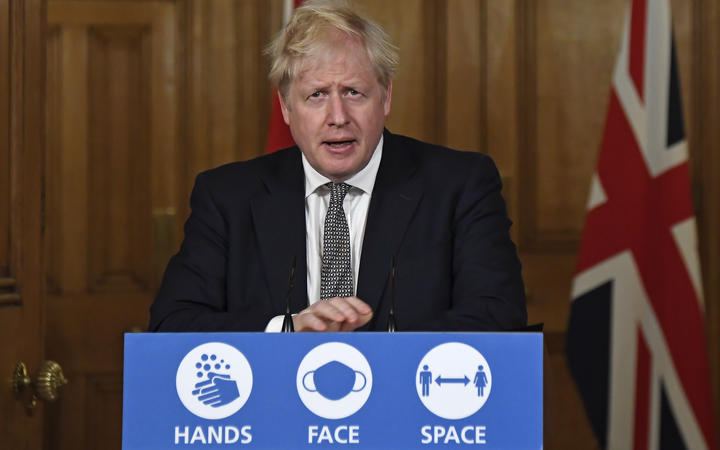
(351,203)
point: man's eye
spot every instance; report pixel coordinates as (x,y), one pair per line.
(353,92)
(316,94)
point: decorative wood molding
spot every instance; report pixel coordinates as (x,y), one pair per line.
(483,91)
(706,114)
(463,95)
(435,41)
(5,173)
(526,21)
(23,50)
(17,99)
(8,294)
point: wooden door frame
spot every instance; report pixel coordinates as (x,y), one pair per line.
(22,129)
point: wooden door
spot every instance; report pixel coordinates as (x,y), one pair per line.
(111,198)
(21,146)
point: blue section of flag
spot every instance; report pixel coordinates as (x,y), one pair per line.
(675,125)
(588,352)
(670,438)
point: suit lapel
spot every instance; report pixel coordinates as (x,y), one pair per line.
(394,199)
(279,219)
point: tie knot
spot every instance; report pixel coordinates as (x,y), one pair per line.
(338,190)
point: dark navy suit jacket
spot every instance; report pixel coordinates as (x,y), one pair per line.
(439,212)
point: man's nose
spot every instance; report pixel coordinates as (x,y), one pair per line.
(337,113)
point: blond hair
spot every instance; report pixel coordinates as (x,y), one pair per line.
(310,30)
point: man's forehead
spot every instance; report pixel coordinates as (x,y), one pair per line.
(347,61)
(334,72)
(334,52)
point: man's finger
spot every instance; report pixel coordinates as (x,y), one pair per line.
(364,311)
(335,326)
(360,306)
(308,321)
(325,310)
(346,307)
(360,321)
(335,314)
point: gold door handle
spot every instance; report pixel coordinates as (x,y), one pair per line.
(48,380)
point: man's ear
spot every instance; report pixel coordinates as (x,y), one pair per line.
(388,99)
(285,110)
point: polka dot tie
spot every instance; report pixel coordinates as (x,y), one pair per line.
(336,277)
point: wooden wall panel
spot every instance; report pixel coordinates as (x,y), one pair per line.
(706,114)
(72,223)
(464,90)
(53,130)
(4,139)
(417,88)
(104,406)
(102,394)
(223,78)
(254,27)
(113,112)
(574,52)
(501,98)
(228,94)
(119,163)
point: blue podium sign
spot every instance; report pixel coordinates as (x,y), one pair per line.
(323,390)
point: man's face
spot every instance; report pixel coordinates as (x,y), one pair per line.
(335,109)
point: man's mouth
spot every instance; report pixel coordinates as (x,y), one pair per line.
(339,143)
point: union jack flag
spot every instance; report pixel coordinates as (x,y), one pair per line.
(636,337)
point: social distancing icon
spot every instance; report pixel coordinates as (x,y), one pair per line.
(453,380)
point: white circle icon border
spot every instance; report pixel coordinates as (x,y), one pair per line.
(186,379)
(453,399)
(347,405)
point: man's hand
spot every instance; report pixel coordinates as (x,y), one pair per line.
(335,314)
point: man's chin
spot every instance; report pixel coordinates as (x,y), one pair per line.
(339,168)
(339,174)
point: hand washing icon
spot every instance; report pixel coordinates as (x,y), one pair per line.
(214,380)
(334,380)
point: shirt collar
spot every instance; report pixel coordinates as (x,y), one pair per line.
(363,180)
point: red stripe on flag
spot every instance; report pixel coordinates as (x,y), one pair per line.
(279,135)
(642,393)
(638,24)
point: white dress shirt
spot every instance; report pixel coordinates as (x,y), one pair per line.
(317,200)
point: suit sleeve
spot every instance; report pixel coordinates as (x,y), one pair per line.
(487,288)
(192,296)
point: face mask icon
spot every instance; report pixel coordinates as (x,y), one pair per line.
(334,380)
